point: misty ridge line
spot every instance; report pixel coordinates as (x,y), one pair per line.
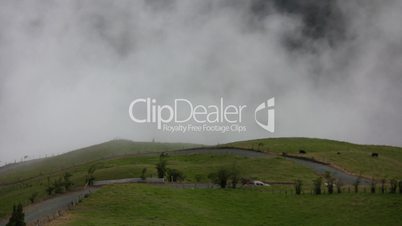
(68,70)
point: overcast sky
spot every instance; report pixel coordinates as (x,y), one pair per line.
(69,69)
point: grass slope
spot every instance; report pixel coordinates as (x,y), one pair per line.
(122,158)
(18,182)
(151,205)
(99,152)
(267,169)
(352,157)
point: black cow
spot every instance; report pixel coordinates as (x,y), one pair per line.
(374,154)
(302,152)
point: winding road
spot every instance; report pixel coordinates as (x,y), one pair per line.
(51,207)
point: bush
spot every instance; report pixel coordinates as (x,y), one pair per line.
(373,184)
(234,176)
(198,178)
(400,186)
(383,185)
(33,196)
(67,182)
(330,182)
(357,183)
(221,177)
(161,167)
(226,175)
(58,186)
(298,187)
(90,178)
(49,188)
(317,185)
(393,185)
(339,185)
(143,173)
(174,175)
(17,217)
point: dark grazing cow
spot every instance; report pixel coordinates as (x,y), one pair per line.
(374,154)
(302,152)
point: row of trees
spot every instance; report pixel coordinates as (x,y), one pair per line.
(56,186)
(224,177)
(59,185)
(331,182)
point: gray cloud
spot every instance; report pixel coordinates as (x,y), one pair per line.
(68,70)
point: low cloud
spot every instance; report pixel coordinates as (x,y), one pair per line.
(68,70)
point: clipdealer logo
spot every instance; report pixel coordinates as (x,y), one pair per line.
(269,107)
(197,118)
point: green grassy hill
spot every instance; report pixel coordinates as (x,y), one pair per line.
(137,204)
(18,182)
(91,154)
(354,158)
(122,158)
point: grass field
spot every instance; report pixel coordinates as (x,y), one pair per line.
(152,205)
(95,153)
(122,159)
(196,165)
(27,178)
(354,158)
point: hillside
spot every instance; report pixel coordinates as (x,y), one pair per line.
(136,204)
(19,181)
(94,153)
(123,158)
(354,158)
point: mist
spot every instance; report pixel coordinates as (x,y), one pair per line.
(69,69)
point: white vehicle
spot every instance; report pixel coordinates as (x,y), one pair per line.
(259,183)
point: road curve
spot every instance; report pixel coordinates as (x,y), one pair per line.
(51,206)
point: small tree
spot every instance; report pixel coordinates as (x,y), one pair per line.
(356,184)
(298,186)
(400,186)
(317,185)
(58,185)
(174,175)
(198,178)
(221,177)
(17,217)
(33,196)
(383,181)
(260,146)
(234,176)
(161,167)
(339,185)
(49,188)
(373,185)
(143,173)
(393,185)
(330,182)
(90,178)
(67,182)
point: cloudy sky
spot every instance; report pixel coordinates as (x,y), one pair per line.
(69,69)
